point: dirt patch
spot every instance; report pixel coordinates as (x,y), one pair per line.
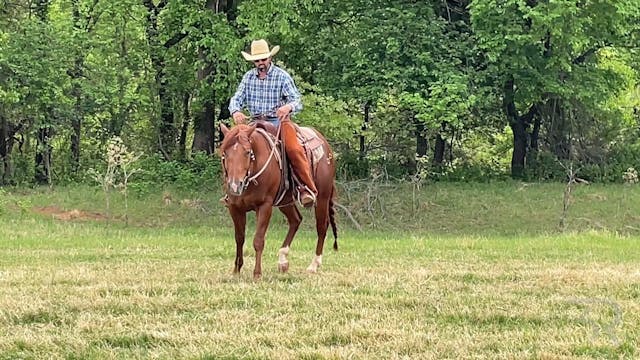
(68,215)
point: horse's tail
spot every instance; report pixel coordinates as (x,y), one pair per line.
(332,217)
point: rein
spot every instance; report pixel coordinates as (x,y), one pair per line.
(266,163)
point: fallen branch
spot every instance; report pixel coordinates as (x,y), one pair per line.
(344,208)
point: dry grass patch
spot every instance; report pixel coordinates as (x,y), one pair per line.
(162,287)
(149,304)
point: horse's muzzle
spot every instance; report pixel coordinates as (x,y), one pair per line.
(235,187)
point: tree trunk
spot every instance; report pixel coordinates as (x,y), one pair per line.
(167,134)
(422,145)
(5,149)
(76,120)
(365,125)
(43,156)
(559,128)
(535,135)
(203,129)
(519,148)
(534,139)
(204,122)
(76,125)
(518,128)
(76,74)
(440,146)
(186,119)
(43,148)
(438,152)
(166,128)
(223,115)
(7,138)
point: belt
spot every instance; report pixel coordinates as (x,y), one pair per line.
(266,118)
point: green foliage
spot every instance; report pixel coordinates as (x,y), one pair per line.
(332,117)
(351,166)
(435,69)
(3,202)
(201,173)
(544,166)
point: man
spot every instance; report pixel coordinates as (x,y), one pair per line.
(268,91)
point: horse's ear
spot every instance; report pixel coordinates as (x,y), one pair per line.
(224,129)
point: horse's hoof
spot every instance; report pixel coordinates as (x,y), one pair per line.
(315,264)
(257,277)
(284,267)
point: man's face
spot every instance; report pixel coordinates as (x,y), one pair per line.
(263,64)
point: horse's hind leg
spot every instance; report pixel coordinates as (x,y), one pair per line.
(322,224)
(293,219)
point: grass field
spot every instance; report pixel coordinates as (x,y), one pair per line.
(455,271)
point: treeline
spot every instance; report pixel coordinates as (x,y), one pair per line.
(453,89)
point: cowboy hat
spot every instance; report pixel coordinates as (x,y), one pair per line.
(260,50)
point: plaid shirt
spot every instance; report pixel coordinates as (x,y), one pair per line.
(265,96)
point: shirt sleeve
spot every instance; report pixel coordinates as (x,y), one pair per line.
(291,94)
(238,99)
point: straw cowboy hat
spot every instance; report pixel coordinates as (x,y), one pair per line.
(260,50)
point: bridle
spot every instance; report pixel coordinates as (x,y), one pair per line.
(249,178)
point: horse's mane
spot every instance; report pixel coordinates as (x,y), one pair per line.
(237,134)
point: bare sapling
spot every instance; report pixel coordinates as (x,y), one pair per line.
(120,167)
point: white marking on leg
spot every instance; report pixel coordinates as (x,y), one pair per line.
(282,255)
(315,264)
(283,263)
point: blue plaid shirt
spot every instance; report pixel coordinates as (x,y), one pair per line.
(265,96)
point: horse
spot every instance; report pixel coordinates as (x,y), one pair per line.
(254,181)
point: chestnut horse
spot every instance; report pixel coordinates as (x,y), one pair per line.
(253,179)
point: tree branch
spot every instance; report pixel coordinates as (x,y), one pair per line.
(583,57)
(528,117)
(175,39)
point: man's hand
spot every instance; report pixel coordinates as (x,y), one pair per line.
(239,117)
(283,112)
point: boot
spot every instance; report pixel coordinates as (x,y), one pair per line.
(299,163)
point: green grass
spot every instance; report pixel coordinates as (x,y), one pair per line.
(463,271)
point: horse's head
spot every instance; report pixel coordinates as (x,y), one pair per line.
(237,155)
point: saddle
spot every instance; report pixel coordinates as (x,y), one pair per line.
(313,149)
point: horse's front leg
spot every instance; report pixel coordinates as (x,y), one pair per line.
(239,225)
(263,216)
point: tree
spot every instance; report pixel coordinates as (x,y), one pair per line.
(543,57)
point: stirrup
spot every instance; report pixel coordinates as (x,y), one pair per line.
(308,199)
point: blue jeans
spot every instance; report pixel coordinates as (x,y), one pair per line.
(274,120)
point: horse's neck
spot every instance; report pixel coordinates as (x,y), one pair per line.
(268,151)
(263,136)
